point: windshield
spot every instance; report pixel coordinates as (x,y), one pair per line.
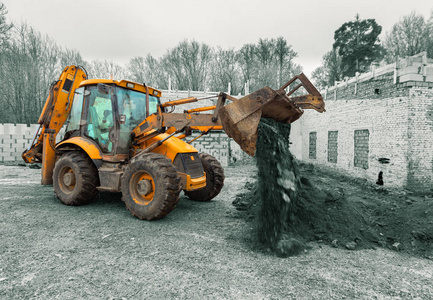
(101,123)
(132,104)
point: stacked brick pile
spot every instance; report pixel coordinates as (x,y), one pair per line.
(13,140)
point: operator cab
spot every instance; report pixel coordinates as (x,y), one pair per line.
(107,111)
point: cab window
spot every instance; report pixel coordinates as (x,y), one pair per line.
(100,119)
(132,105)
(75,114)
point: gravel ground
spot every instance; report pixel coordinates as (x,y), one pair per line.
(199,251)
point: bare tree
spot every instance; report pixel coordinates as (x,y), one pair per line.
(410,36)
(284,56)
(71,57)
(30,62)
(265,51)
(4,40)
(429,35)
(330,70)
(173,66)
(195,59)
(136,69)
(106,69)
(156,76)
(4,26)
(268,63)
(266,73)
(225,70)
(320,77)
(147,70)
(188,65)
(247,60)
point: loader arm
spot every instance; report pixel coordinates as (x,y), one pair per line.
(54,114)
(239,119)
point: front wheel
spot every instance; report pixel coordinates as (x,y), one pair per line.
(150,186)
(214,179)
(75,178)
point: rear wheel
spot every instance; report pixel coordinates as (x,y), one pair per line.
(75,178)
(214,179)
(150,186)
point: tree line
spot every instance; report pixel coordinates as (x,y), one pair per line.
(30,61)
(198,67)
(357,45)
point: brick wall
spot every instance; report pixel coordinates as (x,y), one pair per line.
(15,138)
(420,135)
(219,145)
(379,121)
(388,81)
(400,132)
(216,143)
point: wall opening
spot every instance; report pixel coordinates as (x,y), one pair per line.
(312,145)
(361,149)
(332,146)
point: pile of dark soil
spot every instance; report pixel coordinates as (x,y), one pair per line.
(292,204)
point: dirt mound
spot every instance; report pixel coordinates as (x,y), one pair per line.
(292,204)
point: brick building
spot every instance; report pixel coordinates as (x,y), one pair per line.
(379,122)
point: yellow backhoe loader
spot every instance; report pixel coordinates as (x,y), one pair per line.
(119,137)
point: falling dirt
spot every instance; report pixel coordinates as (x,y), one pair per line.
(277,189)
(292,204)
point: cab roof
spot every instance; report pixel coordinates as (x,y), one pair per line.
(125,84)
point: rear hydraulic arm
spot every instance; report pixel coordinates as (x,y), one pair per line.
(54,114)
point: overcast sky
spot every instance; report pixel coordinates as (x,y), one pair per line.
(120,30)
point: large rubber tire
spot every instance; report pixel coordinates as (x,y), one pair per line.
(214,179)
(150,186)
(75,178)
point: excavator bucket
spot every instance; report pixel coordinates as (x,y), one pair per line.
(241,118)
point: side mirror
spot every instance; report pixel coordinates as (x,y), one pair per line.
(103,88)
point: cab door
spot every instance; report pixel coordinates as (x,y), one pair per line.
(100,118)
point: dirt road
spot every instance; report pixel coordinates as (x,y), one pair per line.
(199,251)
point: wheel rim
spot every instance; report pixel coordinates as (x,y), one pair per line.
(142,187)
(67,180)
